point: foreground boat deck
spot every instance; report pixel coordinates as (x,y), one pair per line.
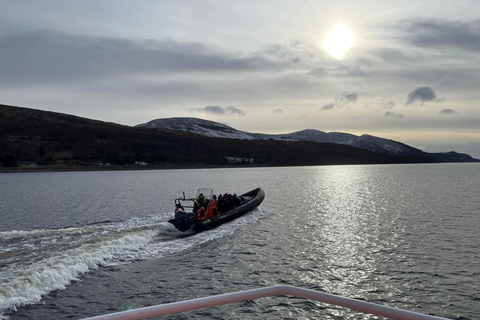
(207,302)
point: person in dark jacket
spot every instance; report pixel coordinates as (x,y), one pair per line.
(236,200)
(231,204)
(221,203)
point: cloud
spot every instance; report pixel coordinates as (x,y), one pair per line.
(348,97)
(394,115)
(447,112)
(337,70)
(328,106)
(421,94)
(54,57)
(444,33)
(389,105)
(220,111)
(293,52)
(298,56)
(397,55)
(341,100)
(278,110)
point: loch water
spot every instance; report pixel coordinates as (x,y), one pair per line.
(79,244)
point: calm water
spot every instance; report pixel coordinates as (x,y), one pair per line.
(78,244)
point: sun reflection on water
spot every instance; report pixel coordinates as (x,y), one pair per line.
(341,204)
(351,230)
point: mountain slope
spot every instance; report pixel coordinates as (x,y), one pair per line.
(367,142)
(60,140)
(198,126)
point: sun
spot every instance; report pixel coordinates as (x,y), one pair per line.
(338,41)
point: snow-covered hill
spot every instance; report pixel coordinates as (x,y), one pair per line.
(365,141)
(198,126)
(368,142)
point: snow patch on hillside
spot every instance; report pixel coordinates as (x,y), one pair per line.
(217,130)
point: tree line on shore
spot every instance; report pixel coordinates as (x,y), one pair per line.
(49,138)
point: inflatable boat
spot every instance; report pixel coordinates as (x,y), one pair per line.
(208,210)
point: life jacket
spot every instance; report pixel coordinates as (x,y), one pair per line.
(212,210)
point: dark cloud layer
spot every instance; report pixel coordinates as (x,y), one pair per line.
(421,95)
(445,33)
(53,57)
(220,111)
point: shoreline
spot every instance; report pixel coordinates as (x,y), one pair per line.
(177,167)
(124,168)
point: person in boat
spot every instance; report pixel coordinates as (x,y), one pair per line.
(214,205)
(228,201)
(197,204)
(201,202)
(200,199)
(226,205)
(236,200)
(231,204)
(221,203)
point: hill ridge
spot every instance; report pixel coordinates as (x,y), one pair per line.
(364,141)
(57,139)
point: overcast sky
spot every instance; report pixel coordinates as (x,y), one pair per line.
(412,75)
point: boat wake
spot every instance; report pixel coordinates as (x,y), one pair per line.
(34,263)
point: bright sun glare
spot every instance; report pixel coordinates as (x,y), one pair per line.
(338,41)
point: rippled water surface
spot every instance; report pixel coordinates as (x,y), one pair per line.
(78,244)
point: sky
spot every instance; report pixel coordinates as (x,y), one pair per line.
(411,74)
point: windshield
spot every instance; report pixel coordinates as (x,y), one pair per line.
(207,193)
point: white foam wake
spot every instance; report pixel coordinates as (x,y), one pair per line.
(34,263)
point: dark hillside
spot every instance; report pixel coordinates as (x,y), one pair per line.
(51,138)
